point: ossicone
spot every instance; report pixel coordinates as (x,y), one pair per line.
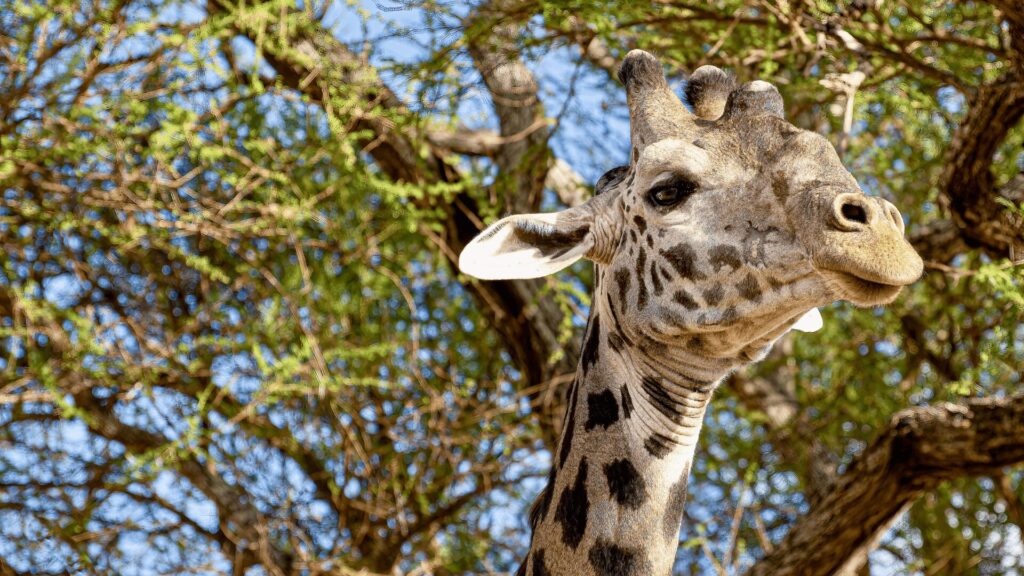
(707,91)
(641,70)
(753,99)
(655,112)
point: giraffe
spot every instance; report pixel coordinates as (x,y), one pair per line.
(729,227)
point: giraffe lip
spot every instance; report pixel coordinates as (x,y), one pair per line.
(858,290)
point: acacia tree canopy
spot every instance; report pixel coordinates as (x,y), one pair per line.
(233,339)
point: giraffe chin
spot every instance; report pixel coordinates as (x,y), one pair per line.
(858,291)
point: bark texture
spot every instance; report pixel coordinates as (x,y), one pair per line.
(920,448)
(970,190)
(527,323)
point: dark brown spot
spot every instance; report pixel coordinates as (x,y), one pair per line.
(723,255)
(683,259)
(622,280)
(591,348)
(729,316)
(641,224)
(641,262)
(609,559)
(540,507)
(616,324)
(696,343)
(539,567)
(658,445)
(749,288)
(574,508)
(674,510)
(660,399)
(615,341)
(684,300)
(714,295)
(625,484)
(655,280)
(570,425)
(602,410)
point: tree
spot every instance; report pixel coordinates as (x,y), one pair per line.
(233,340)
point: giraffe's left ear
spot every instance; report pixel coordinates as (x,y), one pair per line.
(529,245)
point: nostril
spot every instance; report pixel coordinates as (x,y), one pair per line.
(896,217)
(854,213)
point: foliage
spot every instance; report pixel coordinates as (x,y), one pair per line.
(224,322)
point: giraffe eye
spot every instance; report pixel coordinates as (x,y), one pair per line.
(672,192)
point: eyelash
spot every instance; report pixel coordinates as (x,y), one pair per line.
(678,189)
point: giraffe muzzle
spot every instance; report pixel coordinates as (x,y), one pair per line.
(855,211)
(863,256)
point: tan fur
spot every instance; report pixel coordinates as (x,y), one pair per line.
(764,223)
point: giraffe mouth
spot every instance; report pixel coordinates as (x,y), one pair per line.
(858,290)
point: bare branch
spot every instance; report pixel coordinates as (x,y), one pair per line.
(1013,12)
(316,62)
(522,162)
(566,183)
(774,397)
(969,189)
(921,448)
(480,142)
(237,515)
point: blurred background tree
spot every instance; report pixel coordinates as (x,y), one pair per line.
(233,341)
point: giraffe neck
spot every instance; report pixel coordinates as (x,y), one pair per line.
(614,500)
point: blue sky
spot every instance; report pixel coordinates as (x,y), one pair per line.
(589,148)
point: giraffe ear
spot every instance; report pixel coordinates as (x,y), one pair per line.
(528,245)
(810,322)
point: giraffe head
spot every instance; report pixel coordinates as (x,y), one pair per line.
(727,227)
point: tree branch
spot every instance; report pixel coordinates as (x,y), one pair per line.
(315,63)
(238,517)
(1013,12)
(938,241)
(794,440)
(968,190)
(566,183)
(480,142)
(795,443)
(522,163)
(921,448)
